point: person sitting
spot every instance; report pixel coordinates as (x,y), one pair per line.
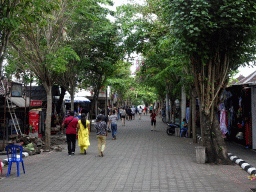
(183,127)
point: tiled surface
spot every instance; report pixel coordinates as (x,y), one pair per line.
(139,160)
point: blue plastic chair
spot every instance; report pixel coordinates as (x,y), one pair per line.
(13,157)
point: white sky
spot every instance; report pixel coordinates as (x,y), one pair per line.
(245,71)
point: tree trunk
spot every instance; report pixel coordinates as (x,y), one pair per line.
(216,149)
(193,115)
(183,104)
(167,108)
(210,79)
(72,98)
(59,104)
(190,115)
(172,111)
(106,103)
(95,100)
(48,89)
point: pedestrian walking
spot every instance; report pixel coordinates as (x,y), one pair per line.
(123,114)
(103,118)
(133,113)
(101,132)
(146,110)
(153,120)
(140,112)
(83,127)
(113,124)
(117,113)
(71,125)
(129,113)
(150,109)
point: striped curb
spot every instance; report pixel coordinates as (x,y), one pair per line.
(246,166)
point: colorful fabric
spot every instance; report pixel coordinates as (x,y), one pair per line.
(113,119)
(101,128)
(83,135)
(223,123)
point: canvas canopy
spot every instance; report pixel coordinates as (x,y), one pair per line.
(78,100)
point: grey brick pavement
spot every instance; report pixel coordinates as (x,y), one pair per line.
(139,160)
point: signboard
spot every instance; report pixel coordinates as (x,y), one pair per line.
(35,103)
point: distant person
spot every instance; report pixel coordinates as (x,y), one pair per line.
(103,117)
(140,112)
(150,109)
(122,114)
(118,113)
(183,127)
(146,110)
(83,127)
(71,125)
(129,113)
(84,110)
(113,124)
(153,120)
(133,112)
(101,132)
(163,112)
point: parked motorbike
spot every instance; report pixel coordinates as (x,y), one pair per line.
(171,128)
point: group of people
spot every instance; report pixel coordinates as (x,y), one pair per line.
(82,128)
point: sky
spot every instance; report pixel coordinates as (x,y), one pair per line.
(245,71)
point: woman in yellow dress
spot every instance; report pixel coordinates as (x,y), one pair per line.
(83,133)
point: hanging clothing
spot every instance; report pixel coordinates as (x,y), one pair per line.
(223,121)
(187,114)
(83,136)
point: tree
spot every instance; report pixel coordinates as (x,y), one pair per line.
(102,52)
(215,38)
(38,43)
(10,11)
(150,36)
(120,81)
(85,19)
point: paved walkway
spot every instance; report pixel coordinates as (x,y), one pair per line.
(139,160)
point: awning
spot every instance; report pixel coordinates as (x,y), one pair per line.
(19,101)
(78,100)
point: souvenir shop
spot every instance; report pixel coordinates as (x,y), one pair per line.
(235,114)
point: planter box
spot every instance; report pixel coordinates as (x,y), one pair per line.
(200,154)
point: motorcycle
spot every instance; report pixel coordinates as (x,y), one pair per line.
(171,128)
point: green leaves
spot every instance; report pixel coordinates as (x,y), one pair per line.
(58,61)
(219,24)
